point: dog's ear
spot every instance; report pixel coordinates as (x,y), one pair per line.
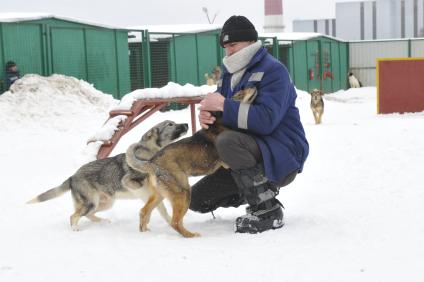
(246,95)
(149,135)
(250,95)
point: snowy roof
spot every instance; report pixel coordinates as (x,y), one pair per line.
(21,17)
(178,28)
(293,36)
(167,30)
(388,39)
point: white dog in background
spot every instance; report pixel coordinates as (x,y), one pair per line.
(353,81)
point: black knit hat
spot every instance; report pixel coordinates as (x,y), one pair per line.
(10,64)
(238,29)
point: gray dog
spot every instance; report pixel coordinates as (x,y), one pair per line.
(96,185)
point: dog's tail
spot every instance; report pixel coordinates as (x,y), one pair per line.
(142,166)
(135,163)
(52,193)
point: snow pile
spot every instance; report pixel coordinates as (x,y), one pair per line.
(353,95)
(350,96)
(168,91)
(52,101)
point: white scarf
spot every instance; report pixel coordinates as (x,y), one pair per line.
(237,62)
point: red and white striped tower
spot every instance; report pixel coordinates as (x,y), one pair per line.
(273,16)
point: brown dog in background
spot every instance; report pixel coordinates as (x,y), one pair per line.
(317,105)
(212,79)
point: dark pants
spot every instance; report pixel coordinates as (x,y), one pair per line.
(239,151)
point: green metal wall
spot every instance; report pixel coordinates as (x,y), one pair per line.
(185,58)
(193,55)
(102,60)
(136,65)
(159,58)
(68,54)
(97,55)
(122,61)
(208,54)
(159,64)
(100,56)
(27,48)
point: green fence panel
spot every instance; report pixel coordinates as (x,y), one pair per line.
(344,64)
(208,55)
(160,63)
(23,44)
(284,55)
(326,66)
(300,65)
(68,52)
(2,62)
(136,65)
(335,66)
(122,59)
(101,60)
(289,61)
(314,65)
(186,59)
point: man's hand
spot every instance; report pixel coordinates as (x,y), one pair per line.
(213,102)
(205,119)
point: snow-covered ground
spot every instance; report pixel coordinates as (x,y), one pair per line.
(356,213)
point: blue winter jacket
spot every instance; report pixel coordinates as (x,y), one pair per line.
(273,119)
(11,77)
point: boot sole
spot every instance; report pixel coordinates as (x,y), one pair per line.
(252,229)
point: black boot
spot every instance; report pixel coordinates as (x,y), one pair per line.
(264,211)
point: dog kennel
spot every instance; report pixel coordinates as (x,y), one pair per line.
(44,44)
(314,60)
(182,54)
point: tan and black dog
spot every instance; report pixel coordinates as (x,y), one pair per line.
(212,79)
(96,185)
(169,169)
(317,105)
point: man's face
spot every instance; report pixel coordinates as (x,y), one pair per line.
(233,47)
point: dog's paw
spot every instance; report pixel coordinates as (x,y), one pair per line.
(75,228)
(191,234)
(94,218)
(143,228)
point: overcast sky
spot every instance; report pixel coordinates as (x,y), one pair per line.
(125,13)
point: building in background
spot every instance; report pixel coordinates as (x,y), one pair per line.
(46,44)
(323,26)
(368,20)
(273,16)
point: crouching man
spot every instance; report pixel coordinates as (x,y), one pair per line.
(266,147)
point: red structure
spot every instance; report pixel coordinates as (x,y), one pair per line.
(273,16)
(273,7)
(400,85)
(141,110)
